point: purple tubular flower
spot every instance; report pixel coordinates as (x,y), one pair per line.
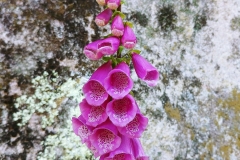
(117,26)
(81,129)
(122,111)
(129,39)
(94,115)
(93,90)
(104,138)
(92,148)
(91,50)
(104,17)
(108,46)
(135,128)
(123,152)
(138,150)
(113,4)
(145,70)
(102,2)
(118,82)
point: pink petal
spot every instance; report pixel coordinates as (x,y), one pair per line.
(117,26)
(104,138)
(122,111)
(108,46)
(135,128)
(91,50)
(113,4)
(118,82)
(104,17)
(128,39)
(94,115)
(145,70)
(93,90)
(138,150)
(81,129)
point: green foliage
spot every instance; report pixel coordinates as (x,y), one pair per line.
(199,22)
(167,18)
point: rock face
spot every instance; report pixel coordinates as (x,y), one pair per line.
(193,112)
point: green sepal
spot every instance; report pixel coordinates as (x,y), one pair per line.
(109,35)
(131,92)
(123,16)
(129,24)
(136,51)
(106,58)
(122,2)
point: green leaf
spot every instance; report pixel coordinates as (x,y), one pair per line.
(131,92)
(129,24)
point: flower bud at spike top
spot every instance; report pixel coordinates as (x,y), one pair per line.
(117,26)
(81,129)
(104,17)
(94,115)
(128,39)
(123,152)
(113,4)
(145,70)
(135,128)
(102,2)
(105,138)
(122,111)
(138,150)
(118,82)
(91,50)
(93,90)
(108,46)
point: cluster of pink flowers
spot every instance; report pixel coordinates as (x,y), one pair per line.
(111,123)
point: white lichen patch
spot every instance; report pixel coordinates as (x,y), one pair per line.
(46,100)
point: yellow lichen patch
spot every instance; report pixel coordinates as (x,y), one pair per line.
(225,151)
(233,102)
(173,113)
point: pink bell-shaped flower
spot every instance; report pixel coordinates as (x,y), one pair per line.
(108,46)
(118,82)
(81,129)
(128,39)
(94,115)
(91,50)
(117,26)
(113,4)
(102,2)
(122,111)
(104,17)
(135,128)
(123,152)
(145,70)
(105,138)
(93,90)
(138,150)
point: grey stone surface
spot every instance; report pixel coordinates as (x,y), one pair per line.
(193,111)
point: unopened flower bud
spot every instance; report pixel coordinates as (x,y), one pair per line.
(117,26)
(128,39)
(113,4)
(104,17)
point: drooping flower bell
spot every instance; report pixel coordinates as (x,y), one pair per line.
(122,111)
(108,46)
(102,2)
(104,17)
(105,138)
(135,128)
(93,90)
(118,82)
(81,129)
(128,39)
(145,70)
(123,152)
(113,4)
(138,150)
(117,26)
(94,115)
(91,50)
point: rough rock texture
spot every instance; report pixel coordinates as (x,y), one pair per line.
(193,111)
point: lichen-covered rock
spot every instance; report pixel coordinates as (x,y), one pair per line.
(193,111)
